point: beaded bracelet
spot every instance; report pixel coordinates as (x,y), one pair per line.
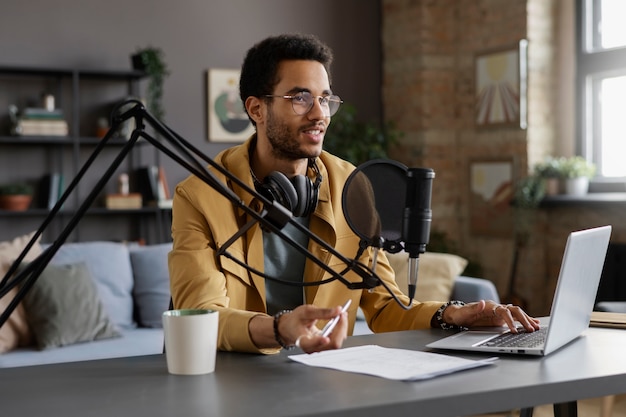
(439,315)
(279,340)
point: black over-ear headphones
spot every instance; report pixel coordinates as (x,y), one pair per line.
(298,194)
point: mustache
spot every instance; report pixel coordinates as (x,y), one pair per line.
(321,124)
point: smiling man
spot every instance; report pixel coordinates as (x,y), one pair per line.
(285,86)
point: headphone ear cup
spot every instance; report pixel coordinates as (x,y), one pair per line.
(298,194)
(277,187)
(313,196)
(302,185)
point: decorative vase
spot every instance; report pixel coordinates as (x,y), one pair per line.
(18,202)
(576,186)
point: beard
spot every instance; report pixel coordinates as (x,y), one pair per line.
(281,137)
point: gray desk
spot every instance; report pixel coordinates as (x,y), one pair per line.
(254,385)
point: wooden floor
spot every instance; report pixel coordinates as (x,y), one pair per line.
(586,408)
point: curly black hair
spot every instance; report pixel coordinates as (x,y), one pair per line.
(260,66)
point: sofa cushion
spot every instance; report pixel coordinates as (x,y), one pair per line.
(435,275)
(133,342)
(63,308)
(109,266)
(152,282)
(15,332)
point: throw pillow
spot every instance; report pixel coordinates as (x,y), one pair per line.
(109,266)
(152,283)
(435,275)
(15,332)
(63,308)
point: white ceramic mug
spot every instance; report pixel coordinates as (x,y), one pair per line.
(190,341)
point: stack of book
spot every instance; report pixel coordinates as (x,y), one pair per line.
(35,121)
(123,201)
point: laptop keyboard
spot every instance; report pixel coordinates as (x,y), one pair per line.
(523,339)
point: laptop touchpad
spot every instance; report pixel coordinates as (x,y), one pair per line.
(471,338)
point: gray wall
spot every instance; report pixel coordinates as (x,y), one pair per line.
(195,35)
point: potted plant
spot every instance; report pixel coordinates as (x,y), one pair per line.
(357,141)
(15,197)
(577,172)
(550,170)
(151,61)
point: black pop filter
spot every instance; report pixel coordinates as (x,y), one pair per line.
(374,199)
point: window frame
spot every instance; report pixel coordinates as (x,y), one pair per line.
(592,65)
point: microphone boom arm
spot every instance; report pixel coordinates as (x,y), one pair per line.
(273,216)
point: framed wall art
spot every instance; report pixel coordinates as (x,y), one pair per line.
(226,119)
(501,84)
(491,195)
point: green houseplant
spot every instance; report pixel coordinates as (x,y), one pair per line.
(357,141)
(549,168)
(577,172)
(551,172)
(15,197)
(151,61)
(576,167)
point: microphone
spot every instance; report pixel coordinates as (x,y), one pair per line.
(417,219)
(401,216)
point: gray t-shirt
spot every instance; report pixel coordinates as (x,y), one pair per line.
(286,263)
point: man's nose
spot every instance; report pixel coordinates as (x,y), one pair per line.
(317,111)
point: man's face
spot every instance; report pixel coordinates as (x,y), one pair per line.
(294,136)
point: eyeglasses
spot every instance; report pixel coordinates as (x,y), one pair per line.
(302,102)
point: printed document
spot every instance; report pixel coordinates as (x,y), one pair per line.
(397,364)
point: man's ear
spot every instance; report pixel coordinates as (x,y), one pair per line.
(254,107)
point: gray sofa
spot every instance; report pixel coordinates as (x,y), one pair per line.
(132,284)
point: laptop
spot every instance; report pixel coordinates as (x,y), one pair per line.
(572,304)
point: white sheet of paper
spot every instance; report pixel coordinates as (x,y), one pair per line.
(397,364)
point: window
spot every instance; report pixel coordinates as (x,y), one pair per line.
(601,74)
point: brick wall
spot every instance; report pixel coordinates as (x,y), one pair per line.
(429,50)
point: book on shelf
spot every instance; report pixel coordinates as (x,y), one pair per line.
(151,183)
(123,201)
(164,190)
(43,127)
(145,183)
(37,113)
(50,190)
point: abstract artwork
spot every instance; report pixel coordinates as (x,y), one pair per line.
(227,119)
(501,87)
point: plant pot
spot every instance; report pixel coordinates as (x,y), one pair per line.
(553,186)
(137,62)
(19,202)
(576,186)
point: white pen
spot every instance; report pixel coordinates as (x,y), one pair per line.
(333,322)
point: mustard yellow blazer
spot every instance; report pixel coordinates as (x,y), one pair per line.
(203,220)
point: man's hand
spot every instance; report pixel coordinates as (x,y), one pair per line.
(298,327)
(489,313)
